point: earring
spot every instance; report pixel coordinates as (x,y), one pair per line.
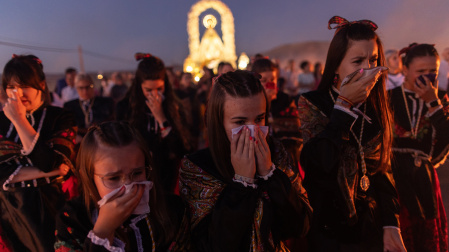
(336,79)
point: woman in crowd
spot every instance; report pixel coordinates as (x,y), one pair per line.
(395,78)
(421,143)
(318,74)
(122,205)
(36,142)
(306,79)
(242,191)
(347,145)
(152,107)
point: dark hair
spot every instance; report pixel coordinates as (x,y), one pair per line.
(378,96)
(418,50)
(184,73)
(235,84)
(263,65)
(70,70)
(222,64)
(152,68)
(119,134)
(304,64)
(27,70)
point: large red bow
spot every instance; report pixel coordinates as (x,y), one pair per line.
(140,56)
(340,22)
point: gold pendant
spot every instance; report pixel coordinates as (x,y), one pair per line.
(364,183)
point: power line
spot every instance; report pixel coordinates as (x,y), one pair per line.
(40,48)
(65,50)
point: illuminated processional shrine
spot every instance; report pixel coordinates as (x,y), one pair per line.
(210,50)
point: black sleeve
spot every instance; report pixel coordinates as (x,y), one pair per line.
(291,213)
(383,183)
(56,142)
(73,225)
(228,227)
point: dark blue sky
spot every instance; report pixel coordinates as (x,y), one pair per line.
(121,28)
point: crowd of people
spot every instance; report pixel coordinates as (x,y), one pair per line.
(340,157)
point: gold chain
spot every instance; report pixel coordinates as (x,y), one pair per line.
(413,129)
(364,181)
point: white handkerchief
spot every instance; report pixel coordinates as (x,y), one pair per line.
(143,206)
(264,130)
(366,72)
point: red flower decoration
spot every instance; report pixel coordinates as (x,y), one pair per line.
(69,229)
(64,134)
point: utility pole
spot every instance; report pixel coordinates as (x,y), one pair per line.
(80,54)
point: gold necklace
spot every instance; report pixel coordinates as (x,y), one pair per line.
(364,180)
(413,128)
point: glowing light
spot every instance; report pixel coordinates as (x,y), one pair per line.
(197,78)
(100,76)
(209,21)
(243,61)
(189,69)
(210,49)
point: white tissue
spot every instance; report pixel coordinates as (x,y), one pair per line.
(366,72)
(264,130)
(143,206)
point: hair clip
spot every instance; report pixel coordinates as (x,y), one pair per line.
(340,22)
(140,56)
(39,61)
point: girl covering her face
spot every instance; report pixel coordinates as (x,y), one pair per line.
(152,107)
(347,143)
(37,147)
(250,196)
(421,143)
(122,204)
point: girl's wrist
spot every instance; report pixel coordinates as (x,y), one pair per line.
(161,119)
(267,173)
(19,120)
(104,234)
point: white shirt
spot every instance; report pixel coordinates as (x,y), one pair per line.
(394,80)
(69,93)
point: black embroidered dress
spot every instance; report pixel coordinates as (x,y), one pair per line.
(28,209)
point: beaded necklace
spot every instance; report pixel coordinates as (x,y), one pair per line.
(364,180)
(413,129)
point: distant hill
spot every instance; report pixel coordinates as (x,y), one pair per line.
(311,50)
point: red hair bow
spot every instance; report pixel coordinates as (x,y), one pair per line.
(140,56)
(340,22)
